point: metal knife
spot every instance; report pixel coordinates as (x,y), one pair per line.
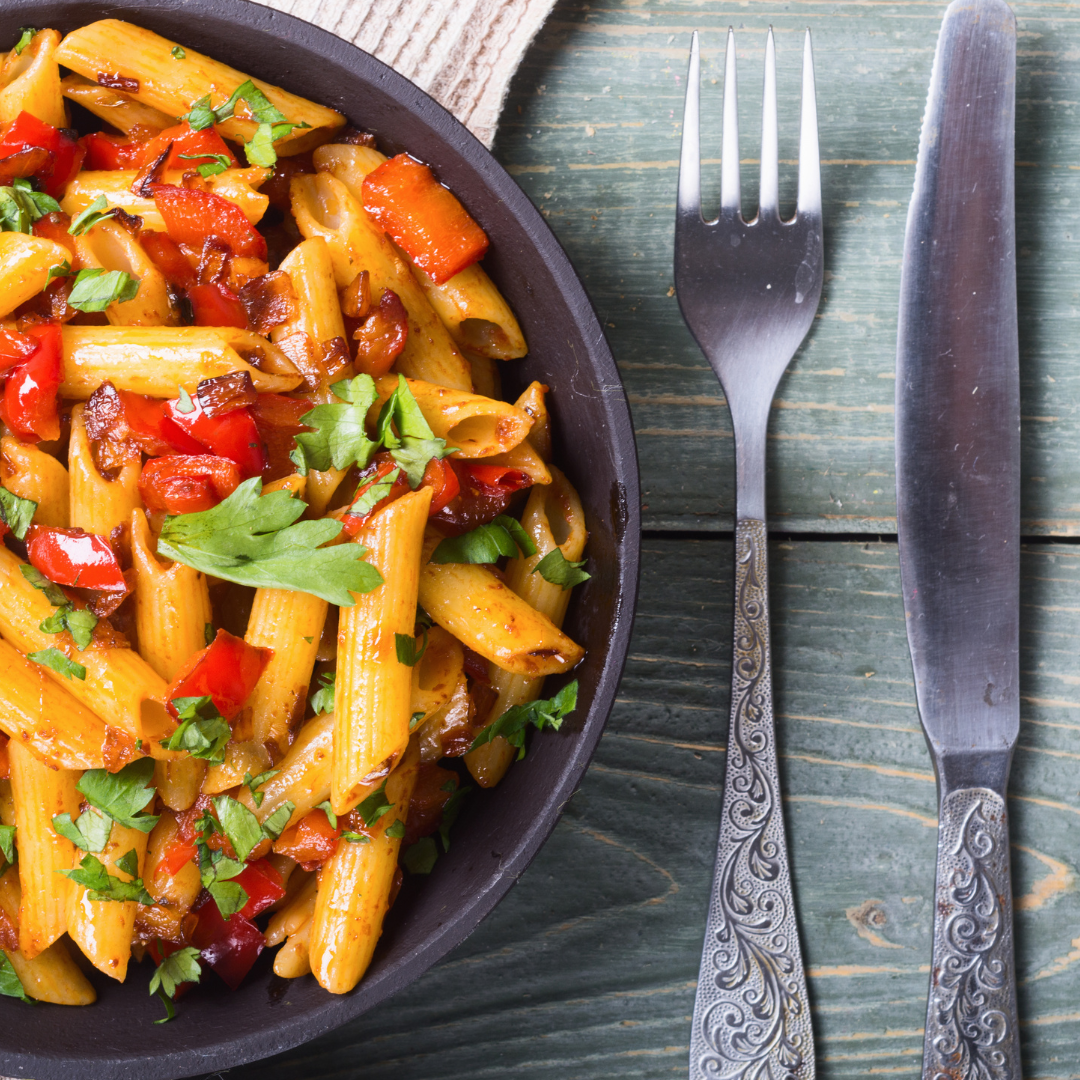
(958,511)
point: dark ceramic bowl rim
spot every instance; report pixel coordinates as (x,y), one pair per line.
(118,1056)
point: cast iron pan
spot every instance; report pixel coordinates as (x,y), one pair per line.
(499,831)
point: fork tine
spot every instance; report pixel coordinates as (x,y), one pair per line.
(690,159)
(809,154)
(730,193)
(769,198)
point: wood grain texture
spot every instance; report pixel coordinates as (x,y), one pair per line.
(586,970)
(591,131)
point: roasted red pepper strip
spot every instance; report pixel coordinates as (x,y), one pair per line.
(178,855)
(28,131)
(311,841)
(168,258)
(187,485)
(226,670)
(15,347)
(76,558)
(443,481)
(229,947)
(233,435)
(263,885)
(107,152)
(201,147)
(191,216)
(278,419)
(30,407)
(152,429)
(499,478)
(383,465)
(423,217)
(217,305)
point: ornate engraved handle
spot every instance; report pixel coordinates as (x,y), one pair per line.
(971,1025)
(751,1014)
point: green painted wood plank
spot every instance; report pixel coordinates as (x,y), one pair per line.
(586,971)
(591,131)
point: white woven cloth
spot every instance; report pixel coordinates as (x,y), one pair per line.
(462,52)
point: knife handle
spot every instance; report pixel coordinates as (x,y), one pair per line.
(971,1023)
(751,1013)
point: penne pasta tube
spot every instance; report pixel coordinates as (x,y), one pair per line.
(487,381)
(25,262)
(436,674)
(354,891)
(41,792)
(450,720)
(56,728)
(156,360)
(553,518)
(534,402)
(323,206)
(237,185)
(478,426)
(292,917)
(31,82)
(119,683)
(373,690)
(52,975)
(110,246)
(291,624)
(348,163)
(115,107)
(98,505)
(173,86)
(178,889)
(482,613)
(242,756)
(30,473)
(103,929)
(294,957)
(524,459)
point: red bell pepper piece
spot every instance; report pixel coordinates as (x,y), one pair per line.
(278,419)
(423,217)
(178,855)
(217,305)
(233,435)
(15,347)
(168,258)
(496,478)
(230,946)
(226,670)
(152,429)
(191,216)
(485,493)
(186,484)
(383,465)
(5,763)
(201,147)
(28,131)
(311,841)
(263,885)
(107,152)
(443,481)
(75,558)
(30,406)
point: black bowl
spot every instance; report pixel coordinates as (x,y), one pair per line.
(501,830)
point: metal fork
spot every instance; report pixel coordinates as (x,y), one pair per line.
(748,291)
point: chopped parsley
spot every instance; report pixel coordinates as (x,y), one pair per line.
(55,659)
(21,206)
(96,212)
(179,967)
(17,513)
(513,723)
(559,570)
(95,289)
(322,701)
(485,543)
(101,885)
(203,731)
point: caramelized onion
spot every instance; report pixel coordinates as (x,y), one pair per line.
(116,81)
(226,393)
(33,161)
(381,337)
(356,297)
(269,301)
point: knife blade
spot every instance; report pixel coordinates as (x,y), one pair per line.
(958,522)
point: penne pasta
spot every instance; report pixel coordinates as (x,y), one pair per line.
(436,675)
(373,688)
(32,474)
(237,185)
(323,206)
(115,107)
(172,86)
(534,402)
(485,375)
(522,458)
(176,889)
(52,975)
(98,505)
(481,612)
(292,925)
(354,891)
(25,262)
(41,792)
(31,82)
(157,360)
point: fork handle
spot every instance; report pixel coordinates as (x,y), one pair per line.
(751,1013)
(971,1024)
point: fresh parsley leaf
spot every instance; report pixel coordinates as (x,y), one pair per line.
(397,830)
(373,494)
(184,404)
(356,838)
(208,633)
(420,858)
(328,811)
(101,885)
(309,640)
(253,782)
(340,437)
(181,966)
(450,814)
(7,842)
(170,1008)
(26,35)
(96,212)
(513,723)
(10,983)
(203,731)
(129,863)
(407,652)
(21,206)
(79,622)
(63,270)
(260,151)
(55,659)
(251,540)
(423,618)
(322,701)
(88,832)
(177,53)
(16,512)
(212,168)
(559,570)
(485,543)
(277,821)
(415,719)
(406,434)
(375,805)
(203,116)
(53,593)
(229,896)
(123,795)
(95,289)
(239,824)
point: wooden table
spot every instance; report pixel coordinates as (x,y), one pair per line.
(587,969)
